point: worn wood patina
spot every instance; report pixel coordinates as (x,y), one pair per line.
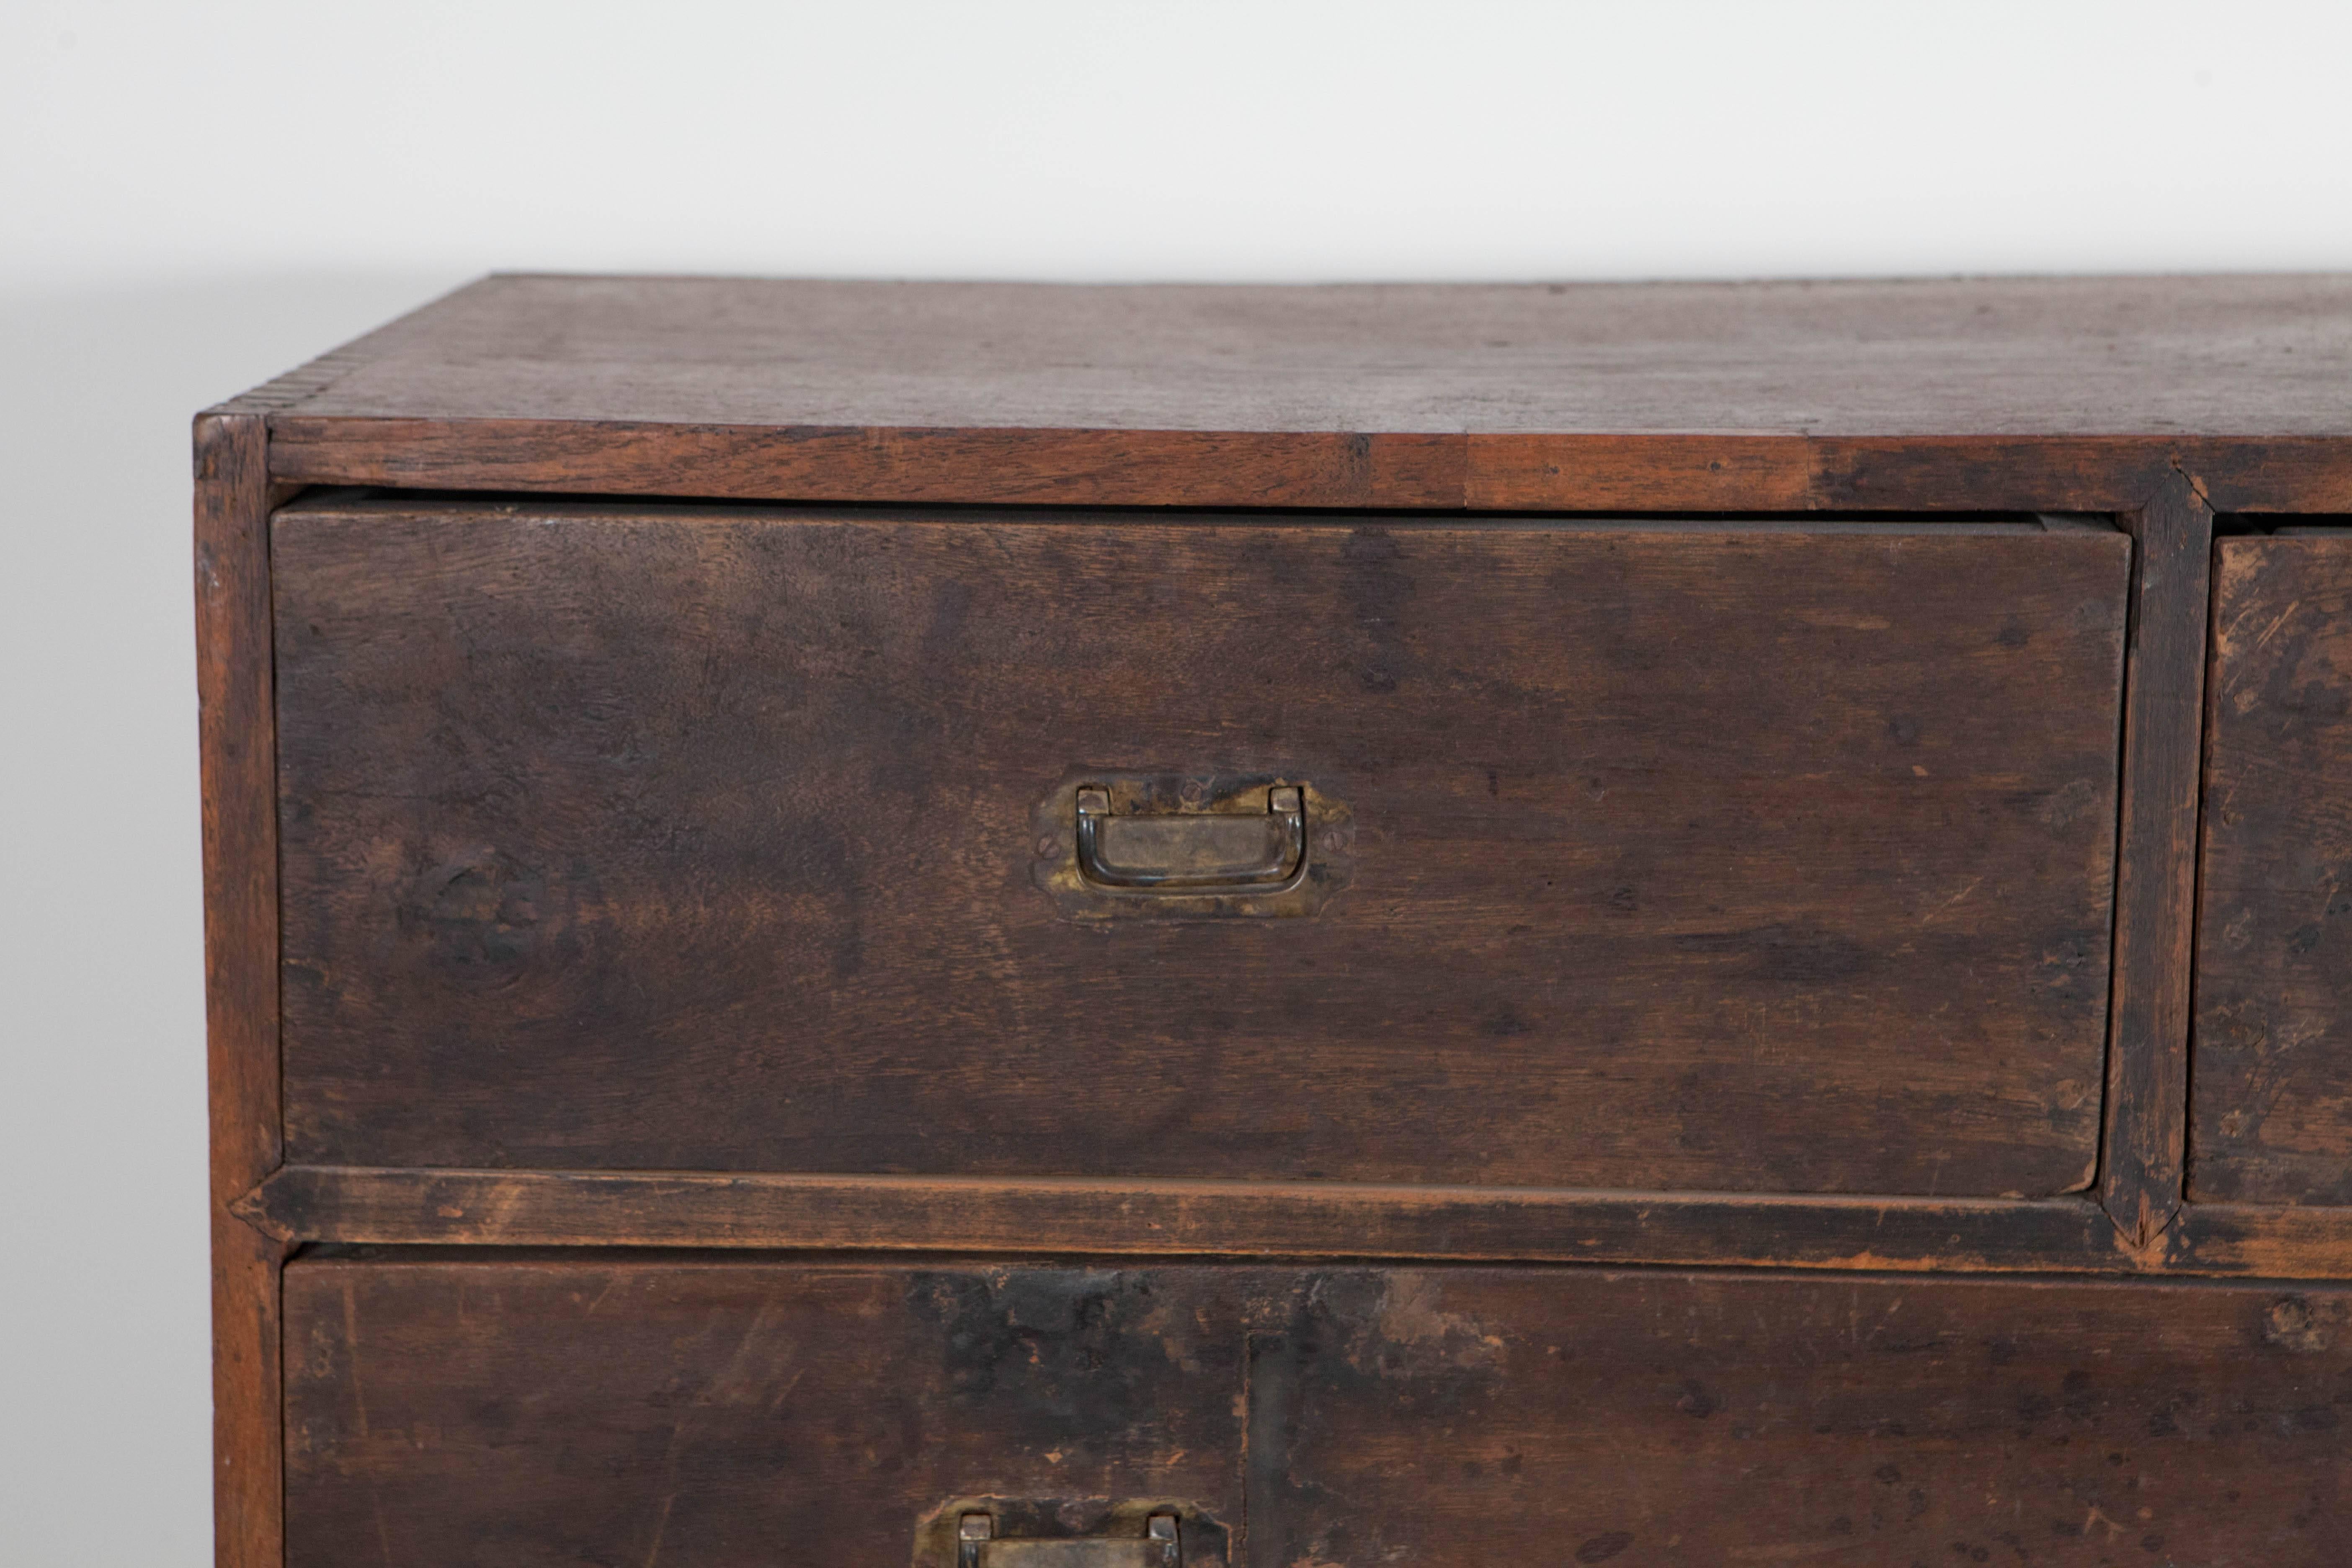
(1284,928)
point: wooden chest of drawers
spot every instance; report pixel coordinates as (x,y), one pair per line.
(995,925)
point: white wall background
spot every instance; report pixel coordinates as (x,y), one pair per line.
(196,196)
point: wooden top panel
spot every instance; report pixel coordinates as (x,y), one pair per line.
(2239,356)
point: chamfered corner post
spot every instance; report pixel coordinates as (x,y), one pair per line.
(2142,1152)
(235,738)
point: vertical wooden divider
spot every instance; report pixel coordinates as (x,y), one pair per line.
(235,730)
(2142,1150)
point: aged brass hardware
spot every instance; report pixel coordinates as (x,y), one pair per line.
(979,1546)
(1109,844)
(1189,852)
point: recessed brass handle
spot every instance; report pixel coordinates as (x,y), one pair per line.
(1193,852)
(979,1546)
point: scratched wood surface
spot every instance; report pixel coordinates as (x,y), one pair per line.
(2271,1121)
(697,839)
(526,1410)
(1567,1417)
(1293,1219)
(2141,1160)
(2025,394)
(240,857)
(534,1414)
(2256,355)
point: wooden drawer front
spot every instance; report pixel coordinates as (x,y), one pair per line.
(752,1413)
(2271,1085)
(1685,857)
(1531,1417)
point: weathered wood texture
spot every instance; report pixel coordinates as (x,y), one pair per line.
(2023,393)
(1298,1219)
(589,1208)
(1313,470)
(1535,1417)
(1720,859)
(2272,1112)
(545,1412)
(671,1410)
(240,852)
(2144,1147)
(2044,357)
(2260,1240)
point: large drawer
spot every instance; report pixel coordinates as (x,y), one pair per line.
(525,1412)
(2271,1085)
(1637,855)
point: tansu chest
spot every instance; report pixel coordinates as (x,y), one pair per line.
(1016,926)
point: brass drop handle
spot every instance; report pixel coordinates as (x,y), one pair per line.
(979,1546)
(1193,853)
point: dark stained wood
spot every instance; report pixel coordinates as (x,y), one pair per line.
(2261,356)
(2028,394)
(240,855)
(678,1410)
(1765,858)
(2260,1240)
(2142,1148)
(545,1412)
(1812,901)
(1318,1219)
(1201,469)
(1314,1219)
(1522,473)
(2272,1112)
(1522,1417)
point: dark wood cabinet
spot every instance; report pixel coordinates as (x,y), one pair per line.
(1012,926)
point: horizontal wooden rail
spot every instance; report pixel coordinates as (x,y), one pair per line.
(1585,472)
(584,1208)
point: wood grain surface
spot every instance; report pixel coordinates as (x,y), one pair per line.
(2017,394)
(2144,1141)
(1535,1417)
(1295,1219)
(240,857)
(2253,355)
(535,1414)
(528,1411)
(1716,858)
(342,1203)
(1562,473)
(2272,1112)
(649,888)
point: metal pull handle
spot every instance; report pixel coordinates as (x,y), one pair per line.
(979,1546)
(1193,853)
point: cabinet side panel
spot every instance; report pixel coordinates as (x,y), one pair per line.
(240,837)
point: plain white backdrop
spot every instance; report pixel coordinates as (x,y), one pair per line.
(194,197)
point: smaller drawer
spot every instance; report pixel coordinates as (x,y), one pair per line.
(2271,1080)
(744,1412)
(1640,854)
